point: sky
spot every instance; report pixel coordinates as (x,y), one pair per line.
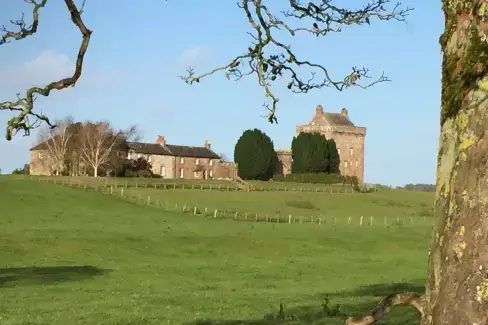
(138,52)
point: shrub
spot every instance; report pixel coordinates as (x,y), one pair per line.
(312,178)
(255,155)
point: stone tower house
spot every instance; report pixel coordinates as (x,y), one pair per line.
(348,137)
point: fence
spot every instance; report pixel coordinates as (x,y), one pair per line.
(124,193)
(203,187)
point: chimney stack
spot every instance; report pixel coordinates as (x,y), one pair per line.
(161,140)
(207,144)
(344,112)
(319,110)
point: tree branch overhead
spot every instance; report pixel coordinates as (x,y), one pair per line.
(24,106)
(269,59)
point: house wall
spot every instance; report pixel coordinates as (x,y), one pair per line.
(163,165)
(41,166)
(346,138)
(283,164)
(225,170)
(192,170)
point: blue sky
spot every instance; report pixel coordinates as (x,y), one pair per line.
(137,53)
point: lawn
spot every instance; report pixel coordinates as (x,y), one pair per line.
(76,257)
(406,205)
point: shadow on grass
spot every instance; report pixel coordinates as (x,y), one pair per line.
(21,276)
(329,308)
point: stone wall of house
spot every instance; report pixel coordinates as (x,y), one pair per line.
(163,165)
(226,170)
(283,164)
(195,168)
(351,153)
(349,141)
(40,163)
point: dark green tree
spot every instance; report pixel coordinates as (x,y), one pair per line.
(334,159)
(310,153)
(255,155)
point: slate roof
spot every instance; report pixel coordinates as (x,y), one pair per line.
(157,149)
(337,119)
(172,150)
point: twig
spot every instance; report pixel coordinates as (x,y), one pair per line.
(25,106)
(270,59)
(25,31)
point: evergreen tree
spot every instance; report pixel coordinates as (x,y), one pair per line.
(310,153)
(334,159)
(255,155)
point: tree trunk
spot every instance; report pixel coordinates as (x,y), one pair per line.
(95,171)
(457,286)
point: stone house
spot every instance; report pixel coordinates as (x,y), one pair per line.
(349,139)
(176,161)
(167,160)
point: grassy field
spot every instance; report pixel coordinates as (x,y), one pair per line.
(406,205)
(159,182)
(76,257)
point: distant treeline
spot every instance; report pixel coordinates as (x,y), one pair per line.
(420,187)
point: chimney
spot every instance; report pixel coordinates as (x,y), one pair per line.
(319,110)
(207,144)
(344,112)
(161,140)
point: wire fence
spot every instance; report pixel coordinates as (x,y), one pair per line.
(125,193)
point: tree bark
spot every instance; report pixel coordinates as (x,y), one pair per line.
(95,171)
(457,285)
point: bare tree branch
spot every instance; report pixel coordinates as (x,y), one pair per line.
(98,141)
(24,106)
(385,305)
(24,30)
(270,59)
(57,140)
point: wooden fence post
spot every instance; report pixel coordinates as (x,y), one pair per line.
(361,221)
(195,211)
(289,218)
(215,213)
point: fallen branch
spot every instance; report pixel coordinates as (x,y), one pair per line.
(385,305)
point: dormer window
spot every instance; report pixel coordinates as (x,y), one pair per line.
(182,160)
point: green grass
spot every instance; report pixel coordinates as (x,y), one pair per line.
(391,204)
(75,257)
(131,181)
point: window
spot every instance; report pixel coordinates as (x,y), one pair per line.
(211,162)
(345,164)
(195,174)
(41,155)
(211,173)
(352,151)
(162,171)
(149,158)
(181,173)
(182,160)
(197,162)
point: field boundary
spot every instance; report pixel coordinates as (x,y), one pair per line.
(246,216)
(203,187)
